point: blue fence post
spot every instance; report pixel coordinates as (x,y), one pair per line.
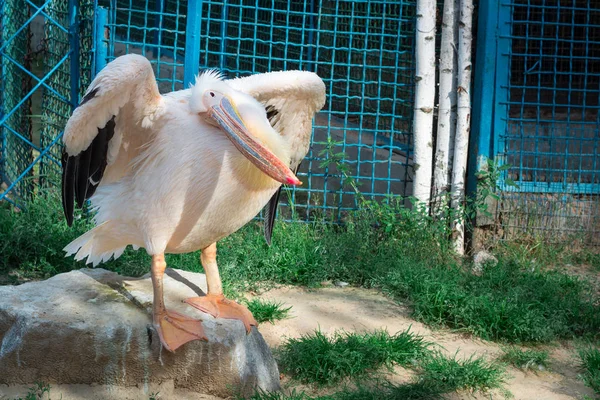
(101,44)
(311,38)
(158,7)
(223,49)
(480,146)
(501,98)
(74,50)
(2,70)
(192,42)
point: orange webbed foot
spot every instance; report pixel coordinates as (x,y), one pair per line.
(219,306)
(175,329)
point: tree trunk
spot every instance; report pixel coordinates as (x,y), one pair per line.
(463,124)
(424,99)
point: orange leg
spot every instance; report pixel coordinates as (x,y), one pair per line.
(174,329)
(215,303)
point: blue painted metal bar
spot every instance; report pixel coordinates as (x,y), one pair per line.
(47,18)
(32,91)
(483,92)
(192,42)
(3,138)
(73,9)
(32,76)
(311,37)
(29,168)
(501,91)
(158,7)
(26,24)
(224,15)
(101,41)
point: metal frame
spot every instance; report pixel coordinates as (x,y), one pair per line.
(44,152)
(491,101)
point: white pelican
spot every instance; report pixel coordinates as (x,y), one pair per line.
(176,173)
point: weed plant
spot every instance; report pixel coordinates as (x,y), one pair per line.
(267,311)
(525,359)
(590,363)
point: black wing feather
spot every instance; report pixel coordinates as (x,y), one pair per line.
(83,172)
(99,156)
(270,212)
(68,185)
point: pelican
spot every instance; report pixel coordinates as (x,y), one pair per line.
(176,173)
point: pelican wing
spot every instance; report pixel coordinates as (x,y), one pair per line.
(291,99)
(125,90)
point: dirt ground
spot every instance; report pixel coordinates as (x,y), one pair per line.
(354,309)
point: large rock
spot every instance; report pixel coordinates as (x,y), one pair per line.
(93,326)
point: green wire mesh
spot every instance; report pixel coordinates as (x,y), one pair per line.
(35,89)
(56,107)
(549,133)
(15,132)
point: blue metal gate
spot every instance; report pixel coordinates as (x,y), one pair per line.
(536,108)
(362,50)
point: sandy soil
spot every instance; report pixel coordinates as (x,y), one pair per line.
(354,309)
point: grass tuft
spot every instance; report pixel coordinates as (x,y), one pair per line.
(452,374)
(525,359)
(590,363)
(267,311)
(316,358)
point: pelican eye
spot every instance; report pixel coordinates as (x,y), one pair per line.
(212,94)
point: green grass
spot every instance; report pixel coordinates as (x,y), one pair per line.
(316,358)
(402,252)
(525,359)
(437,375)
(267,311)
(451,374)
(590,362)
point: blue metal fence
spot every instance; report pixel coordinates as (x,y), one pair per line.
(362,50)
(536,92)
(541,61)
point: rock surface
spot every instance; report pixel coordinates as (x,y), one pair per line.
(480,259)
(93,326)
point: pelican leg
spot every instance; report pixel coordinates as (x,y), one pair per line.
(174,329)
(215,303)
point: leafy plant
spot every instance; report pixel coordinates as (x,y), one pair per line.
(267,311)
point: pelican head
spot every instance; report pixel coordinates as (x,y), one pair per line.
(244,121)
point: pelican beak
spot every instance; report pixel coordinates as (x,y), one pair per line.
(228,118)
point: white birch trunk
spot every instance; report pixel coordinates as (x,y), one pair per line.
(424,99)
(463,123)
(442,167)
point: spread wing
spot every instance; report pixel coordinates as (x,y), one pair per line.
(291,99)
(123,93)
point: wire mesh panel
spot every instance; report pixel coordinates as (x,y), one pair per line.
(15,126)
(362,50)
(547,126)
(364,53)
(37,44)
(155,29)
